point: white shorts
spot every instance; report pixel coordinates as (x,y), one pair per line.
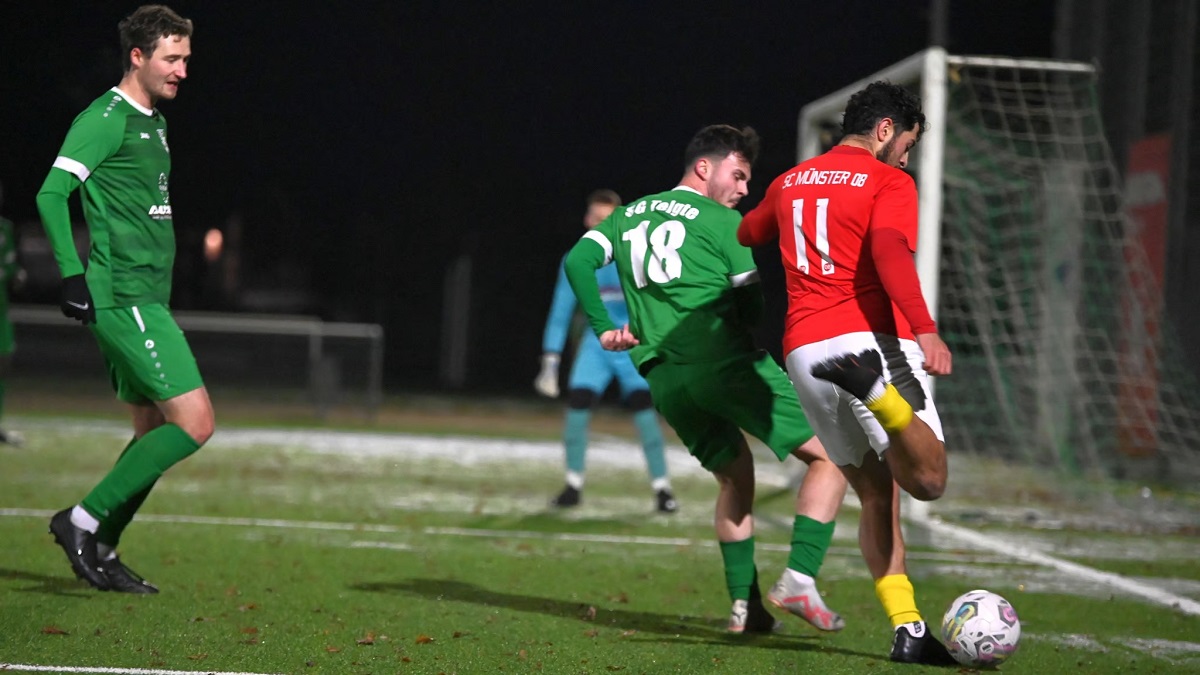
(844,425)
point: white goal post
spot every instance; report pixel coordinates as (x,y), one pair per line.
(1030,261)
(928,68)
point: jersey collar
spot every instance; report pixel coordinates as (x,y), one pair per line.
(687,189)
(137,106)
(850,150)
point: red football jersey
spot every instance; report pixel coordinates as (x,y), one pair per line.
(824,212)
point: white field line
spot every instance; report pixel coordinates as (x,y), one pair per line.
(470,532)
(480,450)
(1013,550)
(27,668)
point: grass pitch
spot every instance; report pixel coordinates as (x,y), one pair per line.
(318,551)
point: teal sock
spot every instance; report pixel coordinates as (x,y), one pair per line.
(142,464)
(810,541)
(740,573)
(109,532)
(646,422)
(575,438)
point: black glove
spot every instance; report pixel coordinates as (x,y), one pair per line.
(77,300)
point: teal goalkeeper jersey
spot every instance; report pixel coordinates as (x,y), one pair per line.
(680,262)
(116,153)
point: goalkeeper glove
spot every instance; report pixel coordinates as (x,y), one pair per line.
(546,382)
(77,300)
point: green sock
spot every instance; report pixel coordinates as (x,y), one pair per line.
(575,438)
(137,469)
(110,530)
(810,541)
(740,573)
(646,422)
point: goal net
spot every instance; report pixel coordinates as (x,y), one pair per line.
(1036,274)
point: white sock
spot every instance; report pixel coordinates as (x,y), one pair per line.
(663,483)
(105,552)
(575,480)
(876,391)
(84,520)
(801,578)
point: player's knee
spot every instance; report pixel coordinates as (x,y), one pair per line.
(639,400)
(199,425)
(581,399)
(928,485)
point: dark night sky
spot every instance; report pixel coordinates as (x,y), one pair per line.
(365,146)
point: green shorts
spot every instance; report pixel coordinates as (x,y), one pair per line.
(146,353)
(708,404)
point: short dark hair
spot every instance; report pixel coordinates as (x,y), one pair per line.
(145,26)
(604,196)
(718,140)
(882,100)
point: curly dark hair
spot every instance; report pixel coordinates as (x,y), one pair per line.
(882,100)
(145,26)
(718,140)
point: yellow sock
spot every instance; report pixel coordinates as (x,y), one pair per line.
(895,592)
(892,411)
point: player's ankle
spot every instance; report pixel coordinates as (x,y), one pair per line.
(890,408)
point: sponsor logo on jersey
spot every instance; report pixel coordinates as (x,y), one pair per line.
(145,136)
(162,136)
(160,211)
(162,187)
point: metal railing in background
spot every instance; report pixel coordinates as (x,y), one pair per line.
(323,370)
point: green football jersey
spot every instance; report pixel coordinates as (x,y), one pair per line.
(679,261)
(118,151)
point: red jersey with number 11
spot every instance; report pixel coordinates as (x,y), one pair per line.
(842,218)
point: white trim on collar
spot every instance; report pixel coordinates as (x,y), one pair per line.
(687,189)
(139,107)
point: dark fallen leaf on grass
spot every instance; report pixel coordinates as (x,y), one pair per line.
(589,613)
(332,650)
(251,641)
(620,597)
(628,633)
(368,640)
(198,657)
(614,668)
(249,630)
(54,630)
(199,619)
(591,633)
(424,639)
(459,633)
(247,607)
(522,654)
(405,659)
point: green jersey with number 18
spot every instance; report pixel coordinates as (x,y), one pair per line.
(118,152)
(679,261)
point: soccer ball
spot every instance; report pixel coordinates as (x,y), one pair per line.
(981,629)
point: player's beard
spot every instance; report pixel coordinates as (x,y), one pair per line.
(884,154)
